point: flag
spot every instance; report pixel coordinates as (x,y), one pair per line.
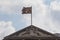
(27,10)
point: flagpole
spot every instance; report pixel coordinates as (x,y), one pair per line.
(31,18)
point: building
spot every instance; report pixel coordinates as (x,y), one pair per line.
(31,33)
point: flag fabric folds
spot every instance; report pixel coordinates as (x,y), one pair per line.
(27,10)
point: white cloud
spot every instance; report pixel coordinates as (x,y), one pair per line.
(55,5)
(8,2)
(6,29)
(27,3)
(8,6)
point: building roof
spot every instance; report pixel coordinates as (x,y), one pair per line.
(30,31)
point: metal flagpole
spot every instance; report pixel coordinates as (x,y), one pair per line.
(31,18)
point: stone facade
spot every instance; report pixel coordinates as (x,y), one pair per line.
(31,33)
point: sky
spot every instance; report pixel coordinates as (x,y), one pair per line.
(46,15)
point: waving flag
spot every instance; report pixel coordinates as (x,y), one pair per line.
(27,10)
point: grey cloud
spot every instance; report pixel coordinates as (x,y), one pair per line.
(55,15)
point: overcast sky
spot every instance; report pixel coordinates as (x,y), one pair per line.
(46,15)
